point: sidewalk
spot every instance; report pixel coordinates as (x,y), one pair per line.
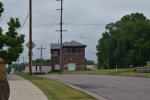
(21,89)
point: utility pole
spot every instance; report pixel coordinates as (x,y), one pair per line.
(30,37)
(41,57)
(61,30)
(18,65)
(61,36)
(22,63)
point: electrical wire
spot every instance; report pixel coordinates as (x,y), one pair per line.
(85,24)
(23,23)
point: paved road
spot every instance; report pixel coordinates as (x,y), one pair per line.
(21,89)
(110,87)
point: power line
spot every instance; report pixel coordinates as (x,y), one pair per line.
(86,37)
(87,24)
(23,23)
(75,24)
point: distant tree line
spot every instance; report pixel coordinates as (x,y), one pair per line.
(20,67)
(90,62)
(44,61)
(125,43)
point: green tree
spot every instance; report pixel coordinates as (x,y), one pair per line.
(1,8)
(44,61)
(90,62)
(125,42)
(11,43)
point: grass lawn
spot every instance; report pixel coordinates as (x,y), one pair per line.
(57,91)
(121,72)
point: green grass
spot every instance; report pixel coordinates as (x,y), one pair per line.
(148,66)
(57,91)
(120,72)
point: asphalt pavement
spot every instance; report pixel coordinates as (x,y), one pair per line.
(109,87)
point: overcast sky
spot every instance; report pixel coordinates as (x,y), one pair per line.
(84,20)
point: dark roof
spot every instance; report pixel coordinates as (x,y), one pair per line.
(73,43)
(55,46)
(67,44)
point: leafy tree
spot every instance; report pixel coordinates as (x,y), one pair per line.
(1,8)
(125,42)
(11,43)
(44,61)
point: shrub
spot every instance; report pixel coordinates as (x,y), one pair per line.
(1,60)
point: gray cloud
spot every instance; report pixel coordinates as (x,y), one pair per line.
(46,20)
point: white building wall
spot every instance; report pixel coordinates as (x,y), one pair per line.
(90,67)
(45,69)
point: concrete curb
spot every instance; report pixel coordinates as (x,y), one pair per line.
(87,92)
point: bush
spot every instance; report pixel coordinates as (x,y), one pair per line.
(1,60)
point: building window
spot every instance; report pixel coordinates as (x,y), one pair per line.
(55,53)
(78,50)
(73,50)
(69,50)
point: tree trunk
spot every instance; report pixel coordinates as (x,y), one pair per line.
(4,86)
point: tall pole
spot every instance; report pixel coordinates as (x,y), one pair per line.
(22,63)
(41,57)
(18,65)
(61,30)
(30,37)
(61,24)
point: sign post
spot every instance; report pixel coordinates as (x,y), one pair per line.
(30,46)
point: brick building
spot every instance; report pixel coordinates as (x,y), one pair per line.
(73,54)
